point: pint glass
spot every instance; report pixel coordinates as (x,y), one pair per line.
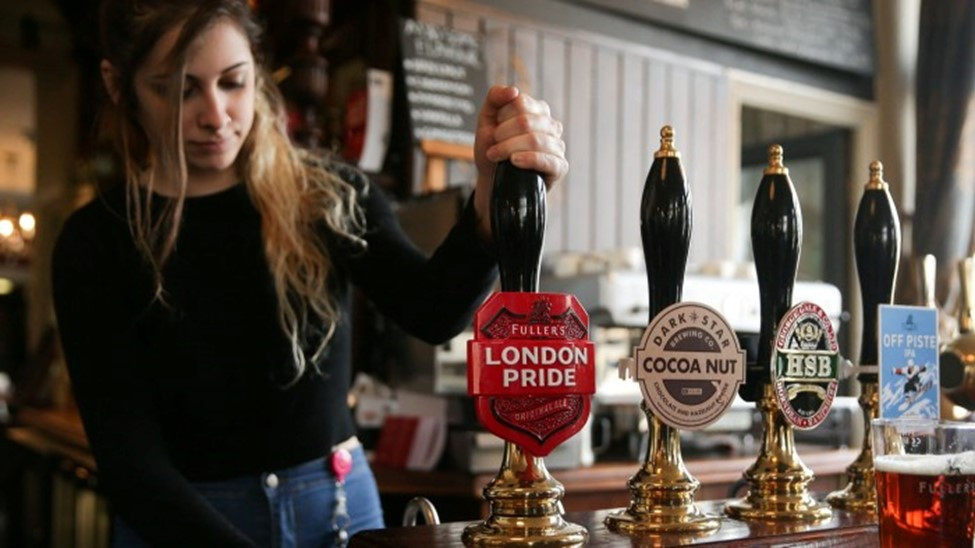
(925,482)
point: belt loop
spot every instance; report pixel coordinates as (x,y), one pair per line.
(348,444)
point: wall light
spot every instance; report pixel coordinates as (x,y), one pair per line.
(6,228)
(17,230)
(27,224)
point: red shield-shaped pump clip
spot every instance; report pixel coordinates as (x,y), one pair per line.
(531,368)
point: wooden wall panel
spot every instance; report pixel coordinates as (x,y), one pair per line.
(497,45)
(657,110)
(697,152)
(552,87)
(466,22)
(578,139)
(524,60)
(604,186)
(723,181)
(633,146)
(433,14)
(677,110)
(613,98)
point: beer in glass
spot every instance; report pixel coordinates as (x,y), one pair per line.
(925,482)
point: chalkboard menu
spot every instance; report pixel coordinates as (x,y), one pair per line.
(445,81)
(833,33)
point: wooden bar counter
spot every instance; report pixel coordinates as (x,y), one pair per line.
(842,530)
(590,491)
(457,495)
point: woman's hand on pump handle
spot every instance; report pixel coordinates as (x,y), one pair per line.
(515,126)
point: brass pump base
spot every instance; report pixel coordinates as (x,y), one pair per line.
(636,521)
(860,494)
(778,479)
(662,490)
(792,507)
(539,531)
(526,507)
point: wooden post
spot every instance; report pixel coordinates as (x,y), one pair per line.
(437,154)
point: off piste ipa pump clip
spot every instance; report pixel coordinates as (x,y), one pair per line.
(531,371)
(689,363)
(794,379)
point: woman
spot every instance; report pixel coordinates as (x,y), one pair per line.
(202,305)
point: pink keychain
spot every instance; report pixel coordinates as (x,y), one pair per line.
(340,462)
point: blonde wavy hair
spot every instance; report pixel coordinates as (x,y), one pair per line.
(294,192)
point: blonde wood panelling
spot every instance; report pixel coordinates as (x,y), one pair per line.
(613,97)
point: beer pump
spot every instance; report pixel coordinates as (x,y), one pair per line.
(778,480)
(947,335)
(692,339)
(877,243)
(947,323)
(957,359)
(512,329)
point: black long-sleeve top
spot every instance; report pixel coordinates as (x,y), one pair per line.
(195,390)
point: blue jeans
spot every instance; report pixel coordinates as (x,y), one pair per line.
(297,512)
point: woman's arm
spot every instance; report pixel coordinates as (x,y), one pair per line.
(431,298)
(435,298)
(115,398)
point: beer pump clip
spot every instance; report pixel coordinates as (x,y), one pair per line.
(689,363)
(531,371)
(796,358)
